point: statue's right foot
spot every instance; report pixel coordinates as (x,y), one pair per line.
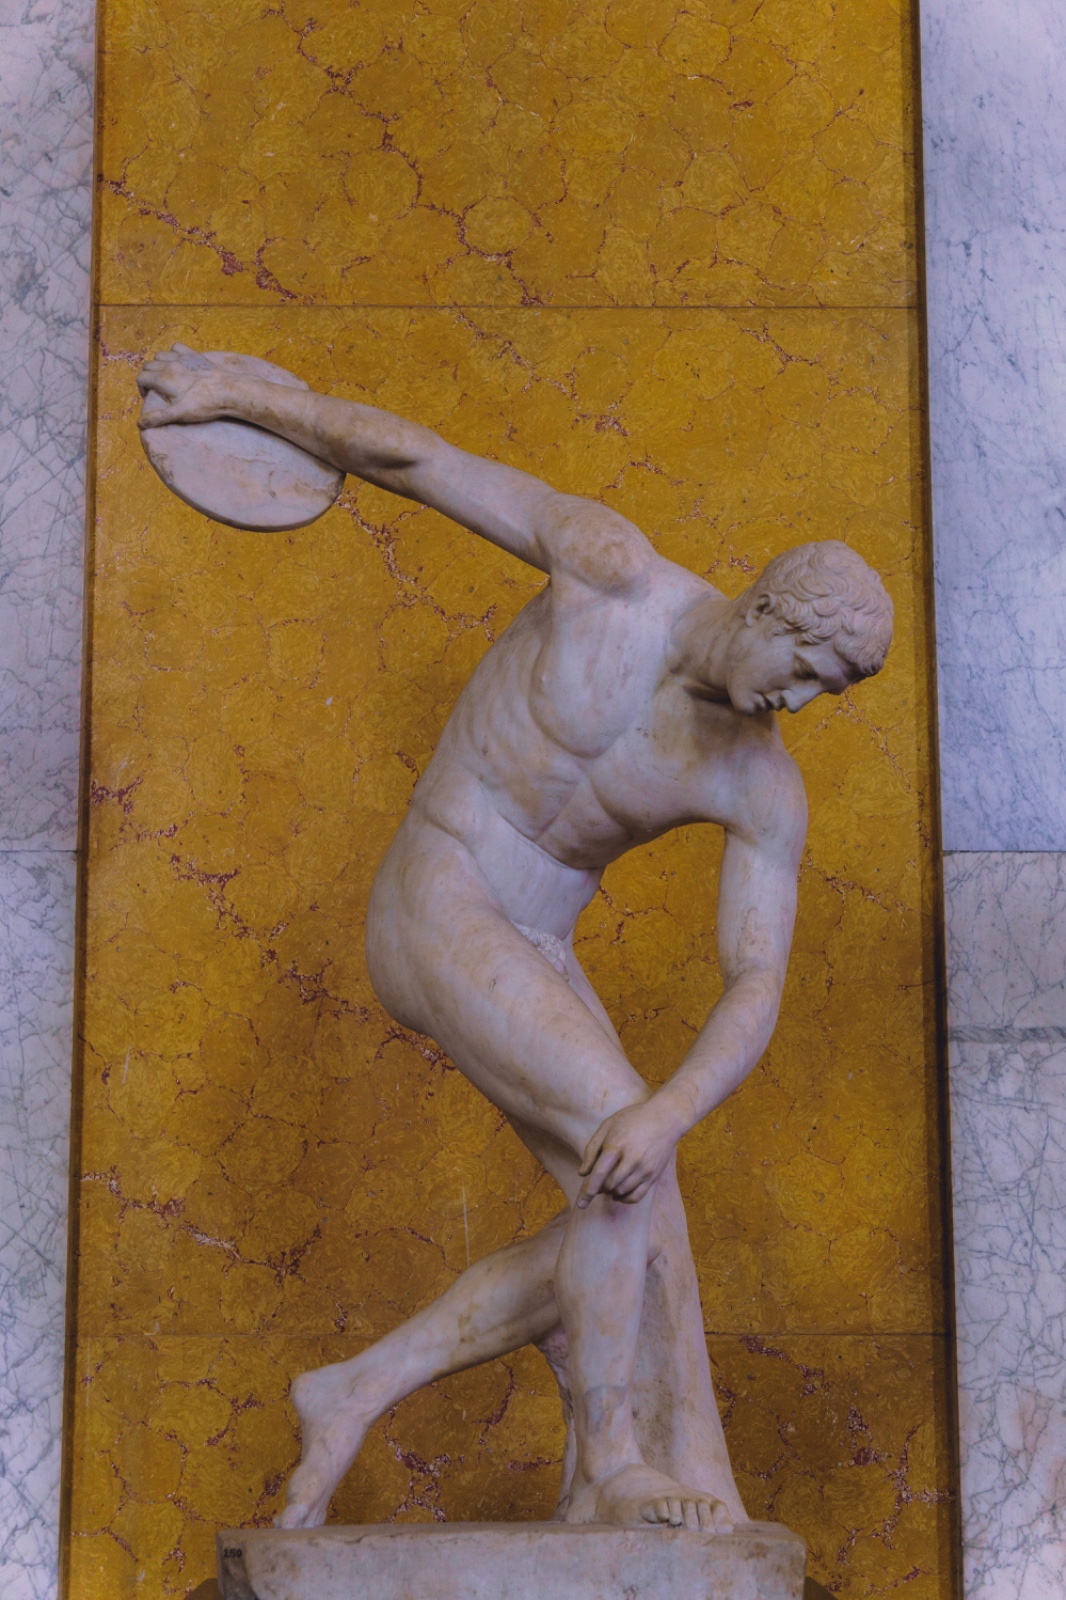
(638,1494)
(333,1426)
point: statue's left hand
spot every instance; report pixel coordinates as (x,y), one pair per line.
(628,1152)
(190,388)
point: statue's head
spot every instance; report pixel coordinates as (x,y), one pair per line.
(815,620)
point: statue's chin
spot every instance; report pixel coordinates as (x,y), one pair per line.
(749,703)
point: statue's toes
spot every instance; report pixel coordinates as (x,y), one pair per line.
(714,1517)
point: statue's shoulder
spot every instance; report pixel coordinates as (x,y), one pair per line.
(766,792)
(594,547)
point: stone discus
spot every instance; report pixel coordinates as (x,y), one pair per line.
(237,473)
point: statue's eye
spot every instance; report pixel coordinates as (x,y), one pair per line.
(802,670)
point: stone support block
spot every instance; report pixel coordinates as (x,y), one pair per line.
(510,1561)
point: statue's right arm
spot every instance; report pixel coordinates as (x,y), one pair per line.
(765,824)
(560,534)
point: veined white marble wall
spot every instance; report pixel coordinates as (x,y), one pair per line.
(1007,999)
(994,92)
(46,80)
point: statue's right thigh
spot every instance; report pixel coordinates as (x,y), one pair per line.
(450,964)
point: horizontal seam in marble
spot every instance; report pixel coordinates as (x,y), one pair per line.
(1013,851)
(270,307)
(1051,1033)
(37,850)
(762,1334)
(827,1333)
(15,852)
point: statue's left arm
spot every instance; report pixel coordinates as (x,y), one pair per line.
(756,914)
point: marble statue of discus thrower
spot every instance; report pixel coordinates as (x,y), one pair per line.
(235,472)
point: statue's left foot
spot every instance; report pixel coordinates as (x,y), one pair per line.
(638,1494)
(333,1426)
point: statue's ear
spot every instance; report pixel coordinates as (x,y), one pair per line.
(761,606)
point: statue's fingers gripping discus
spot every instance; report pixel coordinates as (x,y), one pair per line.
(235,472)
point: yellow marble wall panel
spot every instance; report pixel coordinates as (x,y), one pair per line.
(176,1437)
(840,1437)
(264,1150)
(847,1440)
(273,1173)
(495,152)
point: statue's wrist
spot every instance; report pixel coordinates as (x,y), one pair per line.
(227,396)
(675,1109)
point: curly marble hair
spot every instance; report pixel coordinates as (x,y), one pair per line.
(825,591)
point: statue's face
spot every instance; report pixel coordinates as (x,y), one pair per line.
(769,670)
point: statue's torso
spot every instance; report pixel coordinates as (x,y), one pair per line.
(574,741)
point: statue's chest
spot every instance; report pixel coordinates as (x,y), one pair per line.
(674,764)
(647,785)
(591,681)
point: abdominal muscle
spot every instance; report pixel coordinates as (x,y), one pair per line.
(530,887)
(452,854)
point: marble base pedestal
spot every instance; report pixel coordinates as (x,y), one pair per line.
(511,1561)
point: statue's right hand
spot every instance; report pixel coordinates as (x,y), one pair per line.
(628,1153)
(180,385)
